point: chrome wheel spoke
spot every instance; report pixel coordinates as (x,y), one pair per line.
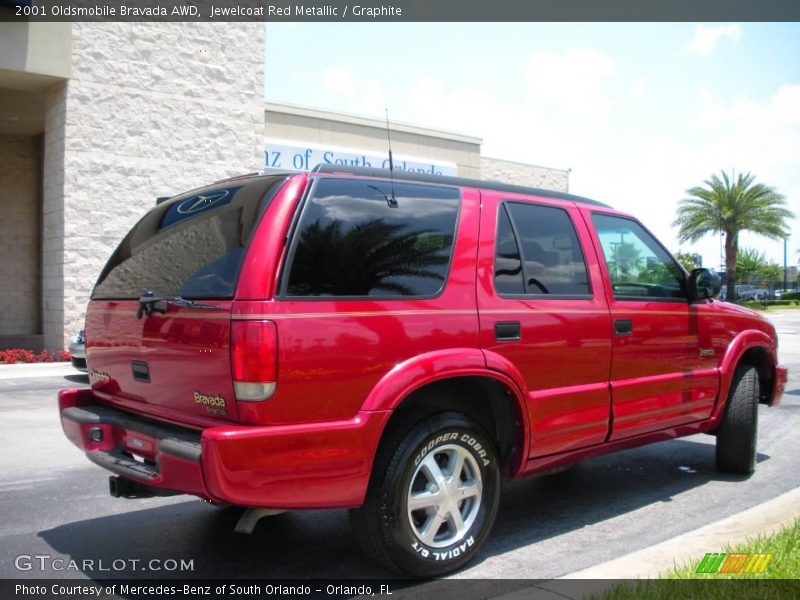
(470,489)
(454,478)
(446,488)
(434,472)
(423,500)
(457,521)
(431,528)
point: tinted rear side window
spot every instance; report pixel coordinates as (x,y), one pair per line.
(192,246)
(353,240)
(508,277)
(538,252)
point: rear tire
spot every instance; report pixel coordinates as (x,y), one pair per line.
(736,436)
(432,499)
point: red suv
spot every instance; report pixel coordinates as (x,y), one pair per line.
(399,346)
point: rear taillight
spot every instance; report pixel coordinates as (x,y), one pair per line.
(254,359)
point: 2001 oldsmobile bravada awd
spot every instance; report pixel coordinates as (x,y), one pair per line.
(398,347)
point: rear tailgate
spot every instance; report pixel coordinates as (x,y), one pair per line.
(175,362)
(175,365)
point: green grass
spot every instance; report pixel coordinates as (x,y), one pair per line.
(785,563)
(760,306)
(780,580)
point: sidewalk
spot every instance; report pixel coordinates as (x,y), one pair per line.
(762,519)
(27,370)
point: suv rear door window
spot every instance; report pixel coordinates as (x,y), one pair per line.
(360,238)
(538,252)
(192,246)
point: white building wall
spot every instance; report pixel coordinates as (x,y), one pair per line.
(151,109)
(53,218)
(523,174)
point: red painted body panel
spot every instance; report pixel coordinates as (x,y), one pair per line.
(564,458)
(187,350)
(563,358)
(174,473)
(345,365)
(316,465)
(659,378)
(332,353)
(260,269)
(292,466)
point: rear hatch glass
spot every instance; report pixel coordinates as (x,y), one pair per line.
(188,250)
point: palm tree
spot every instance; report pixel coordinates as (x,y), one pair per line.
(731,207)
(626,260)
(750,265)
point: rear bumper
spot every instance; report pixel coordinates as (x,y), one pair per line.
(781,376)
(315,465)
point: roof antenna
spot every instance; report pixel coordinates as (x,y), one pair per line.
(392,202)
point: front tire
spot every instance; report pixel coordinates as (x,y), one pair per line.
(736,436)
(432,498)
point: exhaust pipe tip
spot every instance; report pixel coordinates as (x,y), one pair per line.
(114,484)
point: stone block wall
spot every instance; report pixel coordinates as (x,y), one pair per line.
(152,109)
(523,174)
(20,206)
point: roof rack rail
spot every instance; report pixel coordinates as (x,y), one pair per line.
(449,180)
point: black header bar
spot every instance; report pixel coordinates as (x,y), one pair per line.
(401,10)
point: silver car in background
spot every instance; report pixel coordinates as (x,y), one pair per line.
(77,351)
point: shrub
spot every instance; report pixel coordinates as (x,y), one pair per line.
(20,355)
(45,356)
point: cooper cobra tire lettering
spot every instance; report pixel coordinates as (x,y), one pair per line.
(433,496)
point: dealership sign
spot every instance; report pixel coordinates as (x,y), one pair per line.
(282,154)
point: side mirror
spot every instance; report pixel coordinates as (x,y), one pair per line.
(704,284)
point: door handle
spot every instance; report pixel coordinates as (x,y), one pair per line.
(623,326)
(507,331)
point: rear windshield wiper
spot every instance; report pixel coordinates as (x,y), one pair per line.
(149,304)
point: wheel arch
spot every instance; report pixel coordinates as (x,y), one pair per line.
(456,380)
(753,348)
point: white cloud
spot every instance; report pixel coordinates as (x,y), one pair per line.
(350,93)
(574,81)
(759,135)
(338,80)
(575,109)
(638,86)
(465,110)
(705,38)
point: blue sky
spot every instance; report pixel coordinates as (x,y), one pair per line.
(639,112)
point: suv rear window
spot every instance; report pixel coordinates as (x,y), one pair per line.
(537,252)
(191,246)
(357,238)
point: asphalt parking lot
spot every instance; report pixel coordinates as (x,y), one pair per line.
(55,503)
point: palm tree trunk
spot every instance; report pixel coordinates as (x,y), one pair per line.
(731,250)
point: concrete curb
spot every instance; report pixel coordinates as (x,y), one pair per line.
(763,519)
(26,370)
